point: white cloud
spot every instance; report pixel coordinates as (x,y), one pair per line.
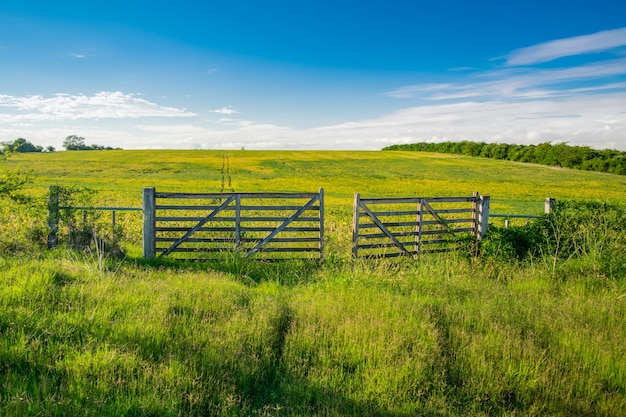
(580,122)
(521,83)
(225,110)
(79,55)
(596,120)
(552,50)
(103,105)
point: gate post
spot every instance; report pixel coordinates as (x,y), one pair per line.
(475,212)
(53,216)
(483,216)
(237,222)
(355,225)
(549,205)
(149,222)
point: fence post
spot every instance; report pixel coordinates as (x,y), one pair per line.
(549,205)
(149,222)
(418,227)
(355,225)
(237,222)
(53,216)
(321,223)
(475,211)
(483,216)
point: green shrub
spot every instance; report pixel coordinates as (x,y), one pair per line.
(592,234)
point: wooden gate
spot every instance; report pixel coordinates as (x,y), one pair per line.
(391,227)
(199,226)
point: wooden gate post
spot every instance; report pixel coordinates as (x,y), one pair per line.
(483,216)
(237,222)
(475,213)
(355,225)
(53,216)
(549,205)
(149,222)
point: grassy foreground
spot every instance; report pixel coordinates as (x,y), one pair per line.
(84,333)
(442,337)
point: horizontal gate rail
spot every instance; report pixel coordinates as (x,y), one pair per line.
(198,226)
(411,226)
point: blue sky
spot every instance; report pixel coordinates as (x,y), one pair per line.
(227,74)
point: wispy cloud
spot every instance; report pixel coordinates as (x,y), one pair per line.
(518,80)
(552,50)
(225,110)
(520,83)
(79,55)
(103,105)
(596,120)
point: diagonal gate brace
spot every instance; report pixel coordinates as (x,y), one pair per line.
(384,229)
(280,228)
(437,217)
(198,226)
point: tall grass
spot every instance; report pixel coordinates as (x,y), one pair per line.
(440,337)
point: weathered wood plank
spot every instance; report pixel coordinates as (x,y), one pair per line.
(198,240)
(416,233)
(515,216)
(233,229)
(416,200)
(234,219)
(209,196)
(176,229)
(395,213)
(231,208)
(271,249)
(287,240)
(264,249)
(381,245)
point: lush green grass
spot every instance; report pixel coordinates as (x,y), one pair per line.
(442,337)
(84,333)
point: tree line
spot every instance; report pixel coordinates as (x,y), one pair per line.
(71,143)
(560,154)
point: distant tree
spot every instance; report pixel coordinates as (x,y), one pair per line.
(74,143)
(20,145)
(77,143)
(49,149)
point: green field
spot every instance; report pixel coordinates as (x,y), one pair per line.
(84,332)
(122,174)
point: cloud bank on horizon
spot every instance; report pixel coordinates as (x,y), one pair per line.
(540,93)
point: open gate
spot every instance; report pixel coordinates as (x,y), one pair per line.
(197,226)
(391,227)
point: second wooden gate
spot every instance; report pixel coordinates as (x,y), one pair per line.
(391,227)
